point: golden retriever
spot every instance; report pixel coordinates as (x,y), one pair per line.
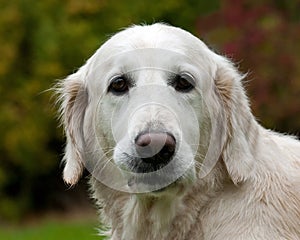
(163,125)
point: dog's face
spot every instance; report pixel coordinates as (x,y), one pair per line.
(145,111)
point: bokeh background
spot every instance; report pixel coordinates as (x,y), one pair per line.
(42,41)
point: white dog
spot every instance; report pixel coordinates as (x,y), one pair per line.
(164,127)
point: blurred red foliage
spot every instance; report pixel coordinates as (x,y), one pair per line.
(263,36)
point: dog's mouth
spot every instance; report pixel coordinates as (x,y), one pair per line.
(152,172)
(149,165)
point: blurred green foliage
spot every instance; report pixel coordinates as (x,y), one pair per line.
(41,41)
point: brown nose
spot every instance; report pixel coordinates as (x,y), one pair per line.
(155,148)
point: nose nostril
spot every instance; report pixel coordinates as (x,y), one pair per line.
(166,152)
(143,140)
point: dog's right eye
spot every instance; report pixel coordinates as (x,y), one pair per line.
(119,85)
(183,82)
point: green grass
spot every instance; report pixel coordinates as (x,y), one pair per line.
(52,230)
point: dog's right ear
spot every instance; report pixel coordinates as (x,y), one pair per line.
(237,152)
(73,99)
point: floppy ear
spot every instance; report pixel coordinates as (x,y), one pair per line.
(73,98)
(241,127)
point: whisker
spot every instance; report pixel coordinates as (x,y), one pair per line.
(100,168)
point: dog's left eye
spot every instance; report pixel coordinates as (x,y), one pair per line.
(183,83)
(119,85)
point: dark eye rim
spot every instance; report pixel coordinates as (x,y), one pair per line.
(122,90)
(186,78)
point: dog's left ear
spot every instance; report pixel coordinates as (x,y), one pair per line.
(241,126)
(73,98)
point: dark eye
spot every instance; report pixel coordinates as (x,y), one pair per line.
(119,85)
(183,83)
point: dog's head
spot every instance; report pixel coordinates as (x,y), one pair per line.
(151,108)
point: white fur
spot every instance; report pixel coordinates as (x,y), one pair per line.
(252,192)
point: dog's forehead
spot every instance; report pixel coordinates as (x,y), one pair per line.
(152,36)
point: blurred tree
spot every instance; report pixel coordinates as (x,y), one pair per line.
(42,41)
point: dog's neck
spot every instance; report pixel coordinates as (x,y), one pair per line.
(150,217)
(145,216)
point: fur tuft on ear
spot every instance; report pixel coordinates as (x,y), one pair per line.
(73,100)
(242,128)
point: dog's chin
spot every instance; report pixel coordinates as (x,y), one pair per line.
(155,188)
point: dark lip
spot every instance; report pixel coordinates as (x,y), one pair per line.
(136,165)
